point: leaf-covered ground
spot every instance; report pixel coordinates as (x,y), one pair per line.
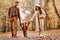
(33,35)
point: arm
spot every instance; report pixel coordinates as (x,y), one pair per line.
(34,15)
(9,12)
(43,15)
(19,15)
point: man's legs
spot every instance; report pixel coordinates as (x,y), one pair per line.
(11,26)
(15,26)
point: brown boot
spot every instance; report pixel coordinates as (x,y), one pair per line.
(15,36)
(12,35)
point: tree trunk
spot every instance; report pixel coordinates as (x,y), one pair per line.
(56,11)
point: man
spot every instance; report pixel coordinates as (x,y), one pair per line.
(13,15)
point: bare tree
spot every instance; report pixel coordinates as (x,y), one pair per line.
(56,11)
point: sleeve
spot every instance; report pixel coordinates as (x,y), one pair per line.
(34,15)
(19,15)
(9,12)
(43,13)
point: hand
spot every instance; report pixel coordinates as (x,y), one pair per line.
(20,23)
(40,17)
(30,20)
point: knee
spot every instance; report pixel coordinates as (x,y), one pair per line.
(15,28)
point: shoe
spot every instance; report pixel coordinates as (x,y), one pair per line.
(12,35)
(15,37)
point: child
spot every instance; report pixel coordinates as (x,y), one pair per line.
(24,26)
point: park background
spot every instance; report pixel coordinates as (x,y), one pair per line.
(51,7)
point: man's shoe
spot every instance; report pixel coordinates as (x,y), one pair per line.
(12,35)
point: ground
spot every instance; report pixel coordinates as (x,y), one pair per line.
(33,35)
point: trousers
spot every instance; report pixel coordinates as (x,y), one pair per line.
(13,26)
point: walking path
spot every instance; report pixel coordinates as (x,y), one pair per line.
(33,35)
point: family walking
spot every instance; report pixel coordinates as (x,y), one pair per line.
(14,14)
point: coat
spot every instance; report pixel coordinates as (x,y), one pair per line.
(17,12)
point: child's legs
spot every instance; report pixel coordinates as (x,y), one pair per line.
(25,29)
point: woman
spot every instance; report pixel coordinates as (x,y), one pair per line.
(39,16)
(36,16)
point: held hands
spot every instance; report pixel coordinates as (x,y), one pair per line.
(30,20)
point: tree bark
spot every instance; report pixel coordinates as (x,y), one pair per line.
(56,11)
